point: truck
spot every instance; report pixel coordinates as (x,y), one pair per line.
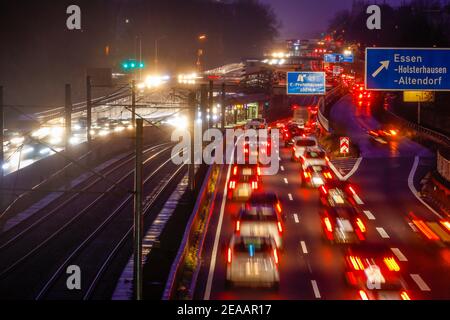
(304,116)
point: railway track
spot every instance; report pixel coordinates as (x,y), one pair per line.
(93,275)
(88,189)
(32,262)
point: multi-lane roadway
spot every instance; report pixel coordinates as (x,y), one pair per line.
(386,178)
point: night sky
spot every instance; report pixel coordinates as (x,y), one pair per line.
(307,18)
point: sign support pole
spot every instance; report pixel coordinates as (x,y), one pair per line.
(138,219)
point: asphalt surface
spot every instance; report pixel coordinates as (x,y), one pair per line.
(310,267)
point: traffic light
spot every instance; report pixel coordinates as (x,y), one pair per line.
(131,64)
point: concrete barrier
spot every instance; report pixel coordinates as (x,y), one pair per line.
(203,205)
(324,104)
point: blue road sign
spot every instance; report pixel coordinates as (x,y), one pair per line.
(306,83)
(338,58)
(405,69)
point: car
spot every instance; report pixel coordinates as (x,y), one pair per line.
(313,156)
(343,224)
(268,199)
(362,95)
(316,175)
(301,144)
(290,131)
(383,136)
(244,179)
(337,193)
(260,220)
(375,272)
(252,261)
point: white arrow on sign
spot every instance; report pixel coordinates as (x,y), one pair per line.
(384,65)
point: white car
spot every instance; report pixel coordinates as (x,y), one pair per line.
(252,261)
(301,144)
(260,221)
(313,157)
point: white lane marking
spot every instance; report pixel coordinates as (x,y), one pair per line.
(369,215)
(420,283)
(290,197)
(304,249)
(383,233)
(316,289)
(286,180)
(399,254)
(282,168)
(413,188)
(296,218)
(212,265)
(413,227)
(355,167)
(358,199)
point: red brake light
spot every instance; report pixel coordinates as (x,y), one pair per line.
(280,227)
(445,224)
(235,170)
(363,295)
(324,190)
(361,225)
(391,264)
(259,171)
(423,227)
(275,256)
(328,225)
(404,296)
(229,255)
(278,208)
(356,263)
(238,225)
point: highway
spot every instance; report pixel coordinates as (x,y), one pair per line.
(310,267)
